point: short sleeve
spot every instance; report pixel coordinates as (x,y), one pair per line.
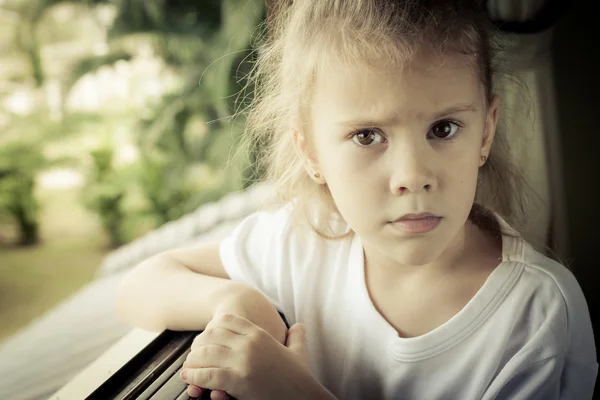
(539,380)
(578,380)
(259,253)
(550,379)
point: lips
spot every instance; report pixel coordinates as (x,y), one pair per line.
(415,224)
(409,217)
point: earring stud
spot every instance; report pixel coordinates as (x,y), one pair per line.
(317,175)
(483,158)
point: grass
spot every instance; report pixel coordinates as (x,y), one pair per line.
(35,279)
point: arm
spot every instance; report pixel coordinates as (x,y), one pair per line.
(183,289)
(241,359)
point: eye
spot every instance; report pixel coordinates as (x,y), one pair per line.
(444,129)
(367,137)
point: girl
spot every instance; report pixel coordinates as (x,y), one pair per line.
(394,250)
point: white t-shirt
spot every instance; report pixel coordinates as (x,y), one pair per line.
(526,334)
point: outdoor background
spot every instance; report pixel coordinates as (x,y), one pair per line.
(115,118)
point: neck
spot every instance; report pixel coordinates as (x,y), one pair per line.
(452,258)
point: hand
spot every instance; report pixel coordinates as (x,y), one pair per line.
(245,301)
(238,357)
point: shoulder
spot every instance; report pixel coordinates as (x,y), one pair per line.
(546,279)
(556,304)
(561,308)
(277,222)
(553,282)
(553,274)
(282,230)
(268,225)
(273,214)
(546,298)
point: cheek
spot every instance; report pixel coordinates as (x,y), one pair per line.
(462,159)
(461,180)
(464,169)
(349,170)
(332,161)
(351,178)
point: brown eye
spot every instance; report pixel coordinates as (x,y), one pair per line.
(444,129)
(366,138)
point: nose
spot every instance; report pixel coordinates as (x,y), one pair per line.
(412,170)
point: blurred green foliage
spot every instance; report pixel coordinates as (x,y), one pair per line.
(17,184)
(185,139)
(104,194)
(23,157)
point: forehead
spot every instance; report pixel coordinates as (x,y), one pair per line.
(425,83)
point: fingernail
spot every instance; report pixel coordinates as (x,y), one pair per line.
(184,374)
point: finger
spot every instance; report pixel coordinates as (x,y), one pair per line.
(194,391)
(296,338)
(209,356)
(216,335)
(234,323)
(210,378)
(296,341)
(218,395)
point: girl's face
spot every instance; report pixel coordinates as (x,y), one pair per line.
(390,143)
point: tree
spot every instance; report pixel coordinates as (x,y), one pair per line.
(209,45)
(17,183)
(26,132)
(104,194)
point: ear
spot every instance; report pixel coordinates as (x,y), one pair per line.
(309,159)
(491,121)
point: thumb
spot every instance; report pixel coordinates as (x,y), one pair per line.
(296,340)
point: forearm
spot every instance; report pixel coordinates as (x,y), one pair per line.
(161,293)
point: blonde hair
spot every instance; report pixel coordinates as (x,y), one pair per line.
(305,34)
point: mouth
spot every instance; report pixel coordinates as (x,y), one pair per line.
(411,217)
(416,223)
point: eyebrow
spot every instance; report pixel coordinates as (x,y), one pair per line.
(395,119)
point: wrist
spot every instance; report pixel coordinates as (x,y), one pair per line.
(230,297)
(247,302)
